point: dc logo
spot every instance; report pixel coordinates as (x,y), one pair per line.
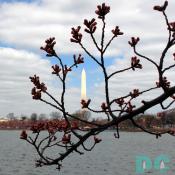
(144,164)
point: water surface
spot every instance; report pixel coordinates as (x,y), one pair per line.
(110,157)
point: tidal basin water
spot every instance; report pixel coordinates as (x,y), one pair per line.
(110,157)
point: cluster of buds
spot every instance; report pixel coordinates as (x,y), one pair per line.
(66,69)
(54,126)
(134,41)
(76,35)
(56,69)
(37,127)
(66,139)
(164,83)
(104,106)
(35,80)
(97,140)
(39,87)
(120,101)
(49,47)
(117,31)
(90,26)
(172,27)
(130,107)
(161,8)
(102,10)
(78,60)
(135,93)
(36,94)
(85,103)
(23,135)
(174,55)
(135,63)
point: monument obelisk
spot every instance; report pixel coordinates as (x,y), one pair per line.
(83,85)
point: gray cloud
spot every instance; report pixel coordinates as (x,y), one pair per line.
(25,26)
(37,21)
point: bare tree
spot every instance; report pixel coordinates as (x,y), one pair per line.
(42,116)
(83,114)
(11,116)
(117,110)
(55,115)
(34,117)
(23,117)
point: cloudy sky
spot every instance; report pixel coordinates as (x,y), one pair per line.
(25,24)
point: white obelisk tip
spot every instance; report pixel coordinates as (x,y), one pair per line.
(83,85)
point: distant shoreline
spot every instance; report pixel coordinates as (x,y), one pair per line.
(112,130)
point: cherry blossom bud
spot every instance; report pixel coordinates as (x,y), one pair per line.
(49,47)
(130,107)
(76,35)
(56,69)
(161,8)
(104,107)
(90,26)
(120,101)
(85,104)
(23,135)
(78,60)
(102,11)
(66,69)
(135,63)
(117,31)
(66,138)
(172,26)
(174,55)
(134,41)
(97,140)
(135,93)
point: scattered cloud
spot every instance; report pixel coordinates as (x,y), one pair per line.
(24,26)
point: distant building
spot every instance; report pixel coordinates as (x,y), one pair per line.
(165,113)
(167,117)
(2,119)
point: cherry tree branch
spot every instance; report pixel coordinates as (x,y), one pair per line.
(71,125)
